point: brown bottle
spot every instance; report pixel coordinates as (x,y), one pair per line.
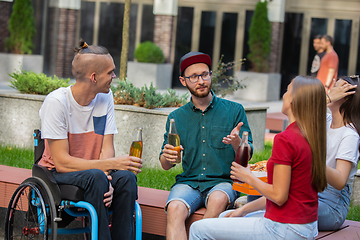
(243,152)
(137,145)
(174,140)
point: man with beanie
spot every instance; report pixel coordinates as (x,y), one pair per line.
(209,129)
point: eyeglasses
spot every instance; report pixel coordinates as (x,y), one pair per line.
(206,76)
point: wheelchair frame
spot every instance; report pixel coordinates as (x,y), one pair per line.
(41,199)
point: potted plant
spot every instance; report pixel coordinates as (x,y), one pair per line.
(260,84)
(20,42)
(150,67)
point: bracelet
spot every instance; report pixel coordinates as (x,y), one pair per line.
(326,86)
(328,98)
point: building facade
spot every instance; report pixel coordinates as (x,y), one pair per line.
(211,26)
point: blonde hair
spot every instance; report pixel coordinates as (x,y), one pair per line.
(309,109)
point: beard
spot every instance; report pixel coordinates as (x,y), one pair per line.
(194,92)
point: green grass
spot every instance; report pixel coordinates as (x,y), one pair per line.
(16,156)
(158,178)
(354,213)
(263,154)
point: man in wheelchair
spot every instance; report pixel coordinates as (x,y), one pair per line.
(78,125)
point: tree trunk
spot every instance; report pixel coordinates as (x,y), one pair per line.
(125,41)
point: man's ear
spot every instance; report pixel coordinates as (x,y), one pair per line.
(93,77)
(182,80)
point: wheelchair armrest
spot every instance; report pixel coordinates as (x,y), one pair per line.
(45,174)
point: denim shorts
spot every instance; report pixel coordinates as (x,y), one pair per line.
(194,199)
(333,207)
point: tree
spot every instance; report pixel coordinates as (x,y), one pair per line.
(125,41)
(260,39)
(21,28)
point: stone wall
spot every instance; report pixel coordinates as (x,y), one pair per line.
(355,196)
(20,116)
(61,40)
(163,34)
(275,46)
(66,41)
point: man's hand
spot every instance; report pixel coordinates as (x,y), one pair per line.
(108,196)
(170,154)
(126,162)
(234,138)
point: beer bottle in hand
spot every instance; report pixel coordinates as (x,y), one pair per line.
(174,140)
(137,145)
(243,152)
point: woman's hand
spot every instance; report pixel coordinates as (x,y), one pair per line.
(338,90)
(240,173)
(237,213)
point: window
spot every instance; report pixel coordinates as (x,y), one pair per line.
(207,32)
(291,49)
(342,44)
(147,24)
(183,39)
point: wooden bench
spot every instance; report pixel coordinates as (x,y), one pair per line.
(152,202)
(276,122)
(349,230)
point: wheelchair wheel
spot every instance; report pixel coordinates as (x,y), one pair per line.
(31,212)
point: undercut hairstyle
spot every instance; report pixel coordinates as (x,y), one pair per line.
(81,64)
(328,39)
(318,36)
(309,109)
(92,49)
(350,108)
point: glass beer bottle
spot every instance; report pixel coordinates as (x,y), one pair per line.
(137,145)
(174,140)
(243,152)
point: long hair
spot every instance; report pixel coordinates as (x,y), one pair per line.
(309,109)
(350,109)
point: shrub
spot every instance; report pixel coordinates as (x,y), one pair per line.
(221,77)
(260,39)
(21,28)
(148,52)
(126,93)
(36,83)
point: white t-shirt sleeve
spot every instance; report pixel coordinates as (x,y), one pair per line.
(53,119)
(110,121)
(348,148)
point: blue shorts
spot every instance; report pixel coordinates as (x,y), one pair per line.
(194,199)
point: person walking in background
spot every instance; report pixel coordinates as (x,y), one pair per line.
(315,66)
(329,63)
(296,173)
(209,129)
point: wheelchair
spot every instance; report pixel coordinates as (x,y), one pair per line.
(41,209)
